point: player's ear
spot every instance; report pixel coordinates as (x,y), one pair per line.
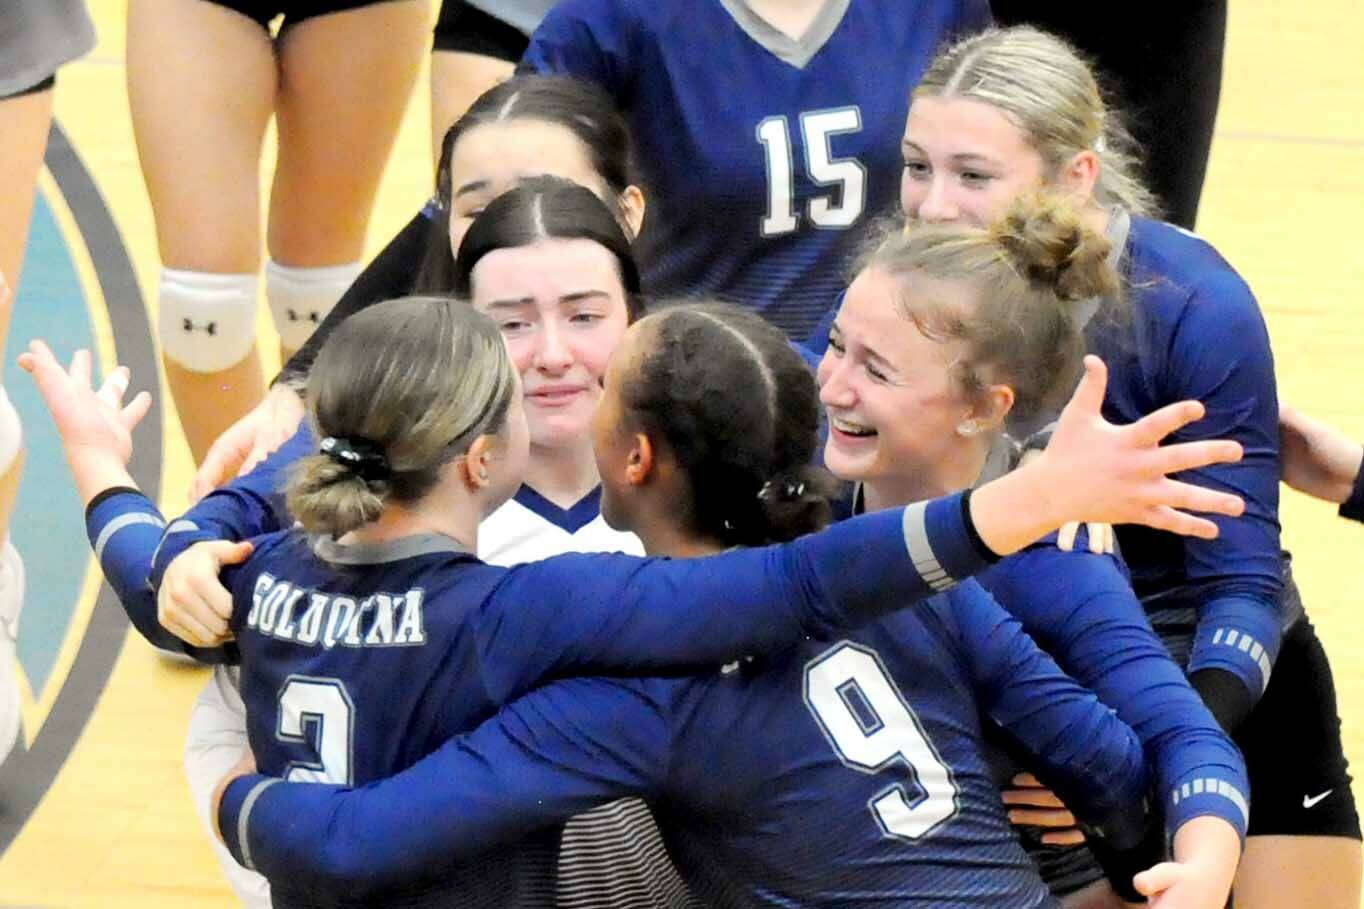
(639,463)
(1080,174)
(474,464)
(632,209)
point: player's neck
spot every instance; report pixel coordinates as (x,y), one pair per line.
(792,18)
(951,474)
(434,514)
(562,475)
(662,537)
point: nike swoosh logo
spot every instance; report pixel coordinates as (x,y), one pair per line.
(1311,801)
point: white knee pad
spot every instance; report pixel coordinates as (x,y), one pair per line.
(207,322)
(11,601)
(11,432)
(300,298)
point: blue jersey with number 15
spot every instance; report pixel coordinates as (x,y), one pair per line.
(762,155)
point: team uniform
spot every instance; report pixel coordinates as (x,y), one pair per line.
(292,12)
(848,773)
(495,633)
(36,38)
(489,28)
(788,147)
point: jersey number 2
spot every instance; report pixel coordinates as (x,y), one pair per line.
(319,714)
(870,726)
(847,174)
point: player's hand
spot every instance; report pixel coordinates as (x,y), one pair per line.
(1032,804)
(1099,472)
(243,767)
(1316,459)
(192,603)
(1207,851)
(95,426)
(249,440)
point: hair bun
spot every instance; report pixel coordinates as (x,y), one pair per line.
(1047,240)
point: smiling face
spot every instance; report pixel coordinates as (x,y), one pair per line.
(492,158)
(965,161)
(561,307)
(894,408)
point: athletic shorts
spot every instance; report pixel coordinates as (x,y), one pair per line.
(1299,776)
(462,28)
(294,11)
(37,37)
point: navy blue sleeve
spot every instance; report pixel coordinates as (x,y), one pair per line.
(1353,507)
(554,753)
(1238,576)
(1081,610)
(249,506)
(818,342)
(626,614)
(591,40)
(1093,760)
(124,528)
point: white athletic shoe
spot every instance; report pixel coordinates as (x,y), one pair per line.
(11,602)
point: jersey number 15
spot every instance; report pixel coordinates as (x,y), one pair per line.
(846,175)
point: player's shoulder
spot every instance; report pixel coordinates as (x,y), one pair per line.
(1167,261)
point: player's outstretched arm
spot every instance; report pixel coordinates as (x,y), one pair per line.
(1320,460)
(95,426)
(557,752)
(652,615)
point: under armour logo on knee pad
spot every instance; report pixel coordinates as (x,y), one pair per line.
(208,328)
(311,315)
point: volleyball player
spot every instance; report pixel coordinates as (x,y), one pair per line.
(765,163)
(1003,112)
(524,127)
(766,797)
(204,79)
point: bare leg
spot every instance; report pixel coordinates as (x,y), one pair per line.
(457,79)
(201,86)
(344,85)
(1318,871)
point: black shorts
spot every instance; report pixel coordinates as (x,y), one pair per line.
(465,29)
(294,11)
(1299,776)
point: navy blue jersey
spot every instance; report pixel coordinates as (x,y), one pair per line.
(1080,608)
(1197,332)
(837,774)
(762,155)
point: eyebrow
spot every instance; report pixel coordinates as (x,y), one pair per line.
(579,295)
(512,303)
(908,147)
(471,187)
(868,351)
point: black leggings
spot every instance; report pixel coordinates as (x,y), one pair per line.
(1164,70)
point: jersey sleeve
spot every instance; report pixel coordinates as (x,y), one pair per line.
(554,753)
(1081,610)
(1092,759)
(124,528)
(584,614)
(591,40)
(1238,576)
(249,506)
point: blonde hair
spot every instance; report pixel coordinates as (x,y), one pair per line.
(1050,92)
(1029,272)
(400,390)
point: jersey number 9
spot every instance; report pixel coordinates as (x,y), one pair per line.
(869,725)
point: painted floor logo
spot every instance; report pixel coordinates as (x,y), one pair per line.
(77,275)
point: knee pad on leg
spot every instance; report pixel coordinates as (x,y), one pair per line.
(207,322)
(300,298)
(11,432)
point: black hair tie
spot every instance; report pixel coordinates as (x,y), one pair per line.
(782,491)
(362,456)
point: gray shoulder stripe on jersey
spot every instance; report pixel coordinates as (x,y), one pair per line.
(920,551)
(245,816)
(120,522)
